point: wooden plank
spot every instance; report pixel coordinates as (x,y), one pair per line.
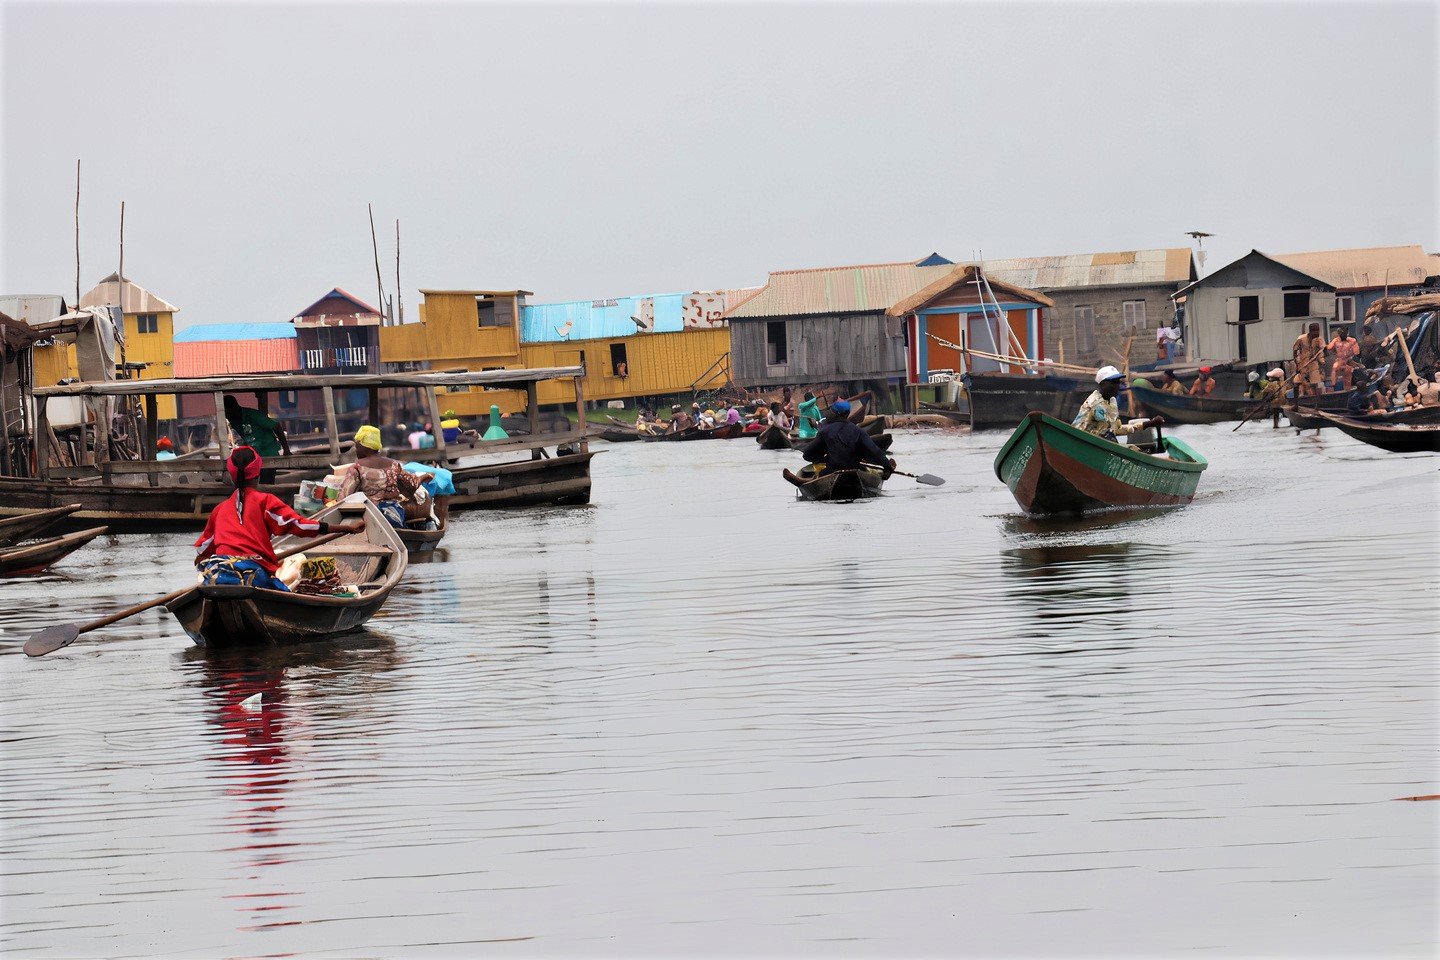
(328,393)
(580,408)
(532,413)
(435,421)
(222,426)
(43,438)
(152,430)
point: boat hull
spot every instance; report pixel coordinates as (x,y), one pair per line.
(1053,468)
(30,558)
(247,616)
(1304,418)
(27,524)
(998,401)
(1412,438)
(1179,408)
(843,486)
(773,438)
(559,481)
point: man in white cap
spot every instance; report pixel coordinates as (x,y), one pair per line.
(1100,415)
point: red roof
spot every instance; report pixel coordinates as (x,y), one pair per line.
(338,303)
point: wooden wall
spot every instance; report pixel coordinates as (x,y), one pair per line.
(657,363)
(156,350)
(449,330)
(850,346)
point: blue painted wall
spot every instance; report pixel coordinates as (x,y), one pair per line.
(539,322)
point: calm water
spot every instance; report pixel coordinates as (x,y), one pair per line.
(702,717)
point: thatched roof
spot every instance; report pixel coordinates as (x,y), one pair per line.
(1403,305)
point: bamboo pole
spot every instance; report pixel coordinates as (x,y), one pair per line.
(77,233)
(1048,365)
(375,249)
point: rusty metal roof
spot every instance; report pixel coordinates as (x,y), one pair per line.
(127,295)
(870,287)
(1367,267)
(1123,268)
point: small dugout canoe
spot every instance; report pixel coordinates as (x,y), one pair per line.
(373,559)
(844,486)
(26,525)
(37,556)
(1054,468)
(773,438)
(1396,438)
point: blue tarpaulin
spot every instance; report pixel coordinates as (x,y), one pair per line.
(444,483)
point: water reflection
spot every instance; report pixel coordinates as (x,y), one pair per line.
(255,702)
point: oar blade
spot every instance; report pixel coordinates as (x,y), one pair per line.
(51,639)
(930,480)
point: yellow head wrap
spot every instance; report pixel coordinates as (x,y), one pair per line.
(368,437)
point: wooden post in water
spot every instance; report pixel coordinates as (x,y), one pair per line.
(580,409)
(373,404)
(532,413)
(330,425)
(435,421)
(151,437)
(42,439)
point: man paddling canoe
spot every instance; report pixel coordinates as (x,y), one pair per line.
(1100,415)
(235,547)
(842,445)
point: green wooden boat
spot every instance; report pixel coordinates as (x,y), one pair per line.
(1052,467)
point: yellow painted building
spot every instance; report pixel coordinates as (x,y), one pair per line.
(480,330)
(149,338)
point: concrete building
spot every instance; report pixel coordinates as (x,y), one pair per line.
(1254,308)
(1102,300)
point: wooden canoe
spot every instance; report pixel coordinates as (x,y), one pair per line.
(844,486)
(1054,468)
(562,480)
(374,559)
(1397,438)
(37,555)
(726,431)
(998,401)
(1304,417)
(422,541)
(28,523)
(1180,408)
(773,438)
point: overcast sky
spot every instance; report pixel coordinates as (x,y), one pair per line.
(602,150)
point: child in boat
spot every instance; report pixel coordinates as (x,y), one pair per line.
(235,548)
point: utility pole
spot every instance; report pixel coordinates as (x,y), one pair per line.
(77,233)
(399,297)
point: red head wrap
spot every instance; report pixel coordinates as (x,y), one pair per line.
(252,469)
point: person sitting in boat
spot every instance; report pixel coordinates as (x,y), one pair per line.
(679,419)
(787,401)
(733,416)
(235,548)
(707,420)
(1169,383)
(1412,395)
(1254,387)
(1100,414)
(809,423)
(1204,384)
(842,445)
(382,479)
(778,417)
(164,449)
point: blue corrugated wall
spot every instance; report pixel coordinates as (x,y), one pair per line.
(540,322)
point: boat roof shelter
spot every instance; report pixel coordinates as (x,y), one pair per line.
(428,383)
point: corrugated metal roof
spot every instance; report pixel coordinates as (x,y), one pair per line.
(219,357)
(224,332)
(876,286)
(1366,267)
(33,308)
(338,301)
(1121,268)
(126,294)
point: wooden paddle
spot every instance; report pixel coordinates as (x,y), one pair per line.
(929,479)
(62,635)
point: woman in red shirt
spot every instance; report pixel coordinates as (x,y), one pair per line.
(235,547)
